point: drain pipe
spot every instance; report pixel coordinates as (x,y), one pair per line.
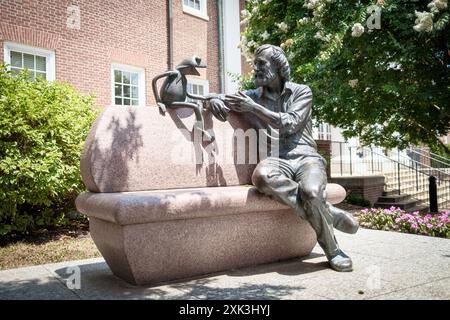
(219,5)
(169,35)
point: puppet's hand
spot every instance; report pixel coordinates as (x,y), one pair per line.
(218,109)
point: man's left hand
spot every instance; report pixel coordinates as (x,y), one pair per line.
(240,102)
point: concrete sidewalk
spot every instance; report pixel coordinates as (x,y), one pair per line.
(387,265)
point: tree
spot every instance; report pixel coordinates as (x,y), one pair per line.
(379,70)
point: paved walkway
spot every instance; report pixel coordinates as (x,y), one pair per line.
(387,265)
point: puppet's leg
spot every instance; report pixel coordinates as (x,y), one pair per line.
(198,117)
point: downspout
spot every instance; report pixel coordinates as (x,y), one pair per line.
(169,35)
(220,44)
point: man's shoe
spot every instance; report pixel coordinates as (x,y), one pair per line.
(343,221)
(341,262)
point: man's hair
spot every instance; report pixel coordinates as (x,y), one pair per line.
(279,58)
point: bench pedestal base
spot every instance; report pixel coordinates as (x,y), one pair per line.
(154,252)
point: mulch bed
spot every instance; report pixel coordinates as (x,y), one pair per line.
(75,229)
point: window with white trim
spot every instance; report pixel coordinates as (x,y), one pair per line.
(324,131)
(195,4)
(196,7)
(128,85)
(198,87)
(39,62)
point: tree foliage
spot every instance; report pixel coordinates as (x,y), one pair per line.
(43,127)
(388,86)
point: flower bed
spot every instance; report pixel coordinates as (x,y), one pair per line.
(435,225)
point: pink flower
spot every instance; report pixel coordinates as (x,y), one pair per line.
(414,226)
(429,226)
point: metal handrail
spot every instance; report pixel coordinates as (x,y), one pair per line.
(439,156)
(426,177)
(398,161)
(431,158)
(425,166)
(434,155)
(422,165)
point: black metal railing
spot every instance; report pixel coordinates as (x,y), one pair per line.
(429,158)
(403,173)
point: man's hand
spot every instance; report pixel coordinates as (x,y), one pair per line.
(240,102)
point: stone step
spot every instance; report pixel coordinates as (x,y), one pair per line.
(405,204)
(394,198)
(424,197)
(390,192)
(412,190)
(423,209)
(443,204)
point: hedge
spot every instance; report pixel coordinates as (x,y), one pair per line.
(43,126)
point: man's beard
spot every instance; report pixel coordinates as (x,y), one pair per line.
(266,80)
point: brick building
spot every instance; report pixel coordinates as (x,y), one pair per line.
(114,48)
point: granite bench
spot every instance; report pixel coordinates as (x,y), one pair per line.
(163,206)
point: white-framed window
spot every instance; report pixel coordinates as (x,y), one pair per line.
(324,132)
(127,85)
(39,62)
(198,87)
(196,8)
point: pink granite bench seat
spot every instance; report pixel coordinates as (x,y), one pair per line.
(155,218)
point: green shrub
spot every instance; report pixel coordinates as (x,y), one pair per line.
(43,127)
(357,200)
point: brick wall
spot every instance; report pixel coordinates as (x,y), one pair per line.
(213,49)
(246,68)
(324,149)
(369,187)
(132,32)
